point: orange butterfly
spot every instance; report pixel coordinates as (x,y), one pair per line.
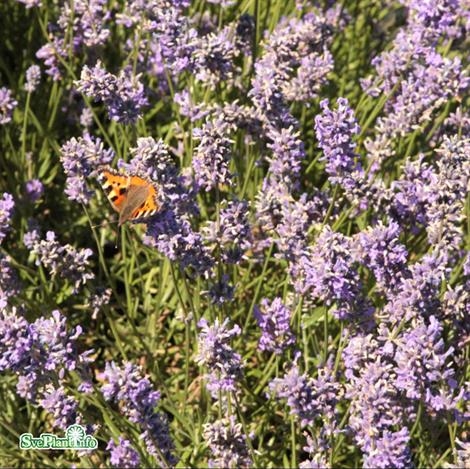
(133,197)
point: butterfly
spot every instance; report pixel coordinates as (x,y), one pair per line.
(133,197)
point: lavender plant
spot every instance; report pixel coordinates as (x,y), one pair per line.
(299,297)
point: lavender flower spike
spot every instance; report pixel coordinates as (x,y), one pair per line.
(224,364)
(6,211)
(7,105)
(334,130)
(273,319)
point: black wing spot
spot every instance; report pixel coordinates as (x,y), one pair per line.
(122,190)
(114,198)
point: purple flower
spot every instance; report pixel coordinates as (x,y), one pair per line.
(85,23)
(164,34)
(335,130)
(417,295)
(287,154)
(64,262)
(461,455)
(326,271)
(422,363)
(33,76)
(390,450)
(9,283)
(318,454)
(296,218)
(41,353)
(223,363)
(286,220)
(213,58)
(123,454)
(30,3)
(446,194)
(188,108)
(137,399)
(227,444)
(294,65)
(212,157)
(174,237)
(15,339)
(7,205)
(80,158)
(378,249)
(7,105)
(231,234)
(310,398)
(409,194)
(51,54)
(88,20)
(98,300)
(123,95)
(433,196)
(34,189)
(62,407)
(432,81)
(273,319)
(221,291)
(245,31)
(376,407)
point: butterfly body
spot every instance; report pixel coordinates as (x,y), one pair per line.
(133,197)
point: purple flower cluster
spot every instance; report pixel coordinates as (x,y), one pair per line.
(418,78)
(9,282)
(375,405)
(34,189)
(227,444)
(81,158)
(294,66)
(61,261)
(81,25)
(122,454)
(137,400)
(7,105)
(433,197)
(327,272)
(7,205)
(287,154)
(273,319)
(212,156)
(40,353)
(123,95)
(309,398)
(213,58)
(362,230)
(334,131)
(379,249)
(163,35)
(33,77)
(231,234)
(223,363)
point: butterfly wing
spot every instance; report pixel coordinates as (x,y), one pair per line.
(146,207)
(132,197)
(115,186)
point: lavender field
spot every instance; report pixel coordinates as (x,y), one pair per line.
(235,234)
